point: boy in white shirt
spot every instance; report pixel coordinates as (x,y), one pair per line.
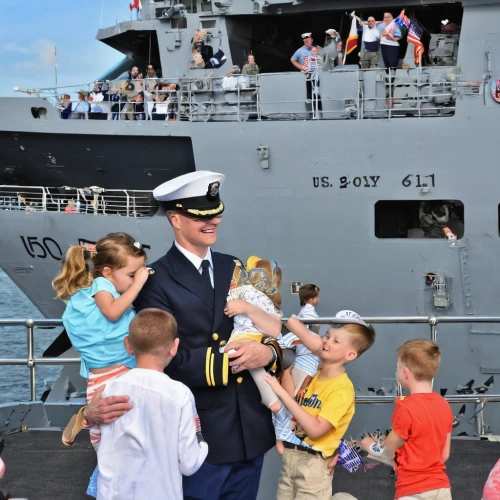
(306,363)
(146,451)
(304,367)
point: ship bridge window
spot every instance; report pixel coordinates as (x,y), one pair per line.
(419,219)
(274,39)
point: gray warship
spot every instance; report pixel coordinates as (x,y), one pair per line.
(337,195)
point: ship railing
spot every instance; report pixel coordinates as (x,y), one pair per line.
(373,93)
(430,321)
(93,200)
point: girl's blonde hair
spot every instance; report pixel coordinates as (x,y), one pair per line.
(80,266)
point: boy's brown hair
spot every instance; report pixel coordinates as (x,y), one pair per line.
(422,357)
(152,331)
(361,337)
(307,292)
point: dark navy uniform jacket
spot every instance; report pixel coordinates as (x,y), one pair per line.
(234,422)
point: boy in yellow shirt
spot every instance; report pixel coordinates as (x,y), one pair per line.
(322,411)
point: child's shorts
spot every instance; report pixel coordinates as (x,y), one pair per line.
(304,476)
(95,381)
(440,494)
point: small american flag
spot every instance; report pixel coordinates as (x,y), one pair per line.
(348,457)
(414,36)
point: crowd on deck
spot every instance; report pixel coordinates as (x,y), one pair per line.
(149,96)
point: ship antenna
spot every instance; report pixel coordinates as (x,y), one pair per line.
(100,18)
(55,68)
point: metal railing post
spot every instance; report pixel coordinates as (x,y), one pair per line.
(31,357)
(433,323)
(479,417)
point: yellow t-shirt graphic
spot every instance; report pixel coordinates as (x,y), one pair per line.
(333,400)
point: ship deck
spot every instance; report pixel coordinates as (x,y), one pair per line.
(40,467)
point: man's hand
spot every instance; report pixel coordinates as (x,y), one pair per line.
(106,410)
(234,307)
(2,468)
(332,464)
(248,355)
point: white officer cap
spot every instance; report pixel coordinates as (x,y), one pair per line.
(331,30)
(306,35)
(196,194)
(351,316)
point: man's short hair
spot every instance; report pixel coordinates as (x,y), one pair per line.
(421,357)
(361,337)
(307,292)
(152,331)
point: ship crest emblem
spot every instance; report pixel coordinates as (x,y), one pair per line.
(495,90)
(213,190)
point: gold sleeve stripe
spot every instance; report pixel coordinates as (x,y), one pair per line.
(212,378)
(207,366)
(225,369)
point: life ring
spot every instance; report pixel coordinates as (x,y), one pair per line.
(495,90)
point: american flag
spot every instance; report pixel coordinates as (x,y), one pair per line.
(348,457)
(414,34)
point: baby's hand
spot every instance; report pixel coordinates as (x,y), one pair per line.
(237,306)
(141,276)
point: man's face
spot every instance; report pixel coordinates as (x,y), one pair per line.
(197,233)
(134,72)
(308,42)
(151,71)
(315,51)
(138,98)
(251,60)
(371,22)
(388,18)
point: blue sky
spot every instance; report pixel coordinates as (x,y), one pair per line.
(30,29)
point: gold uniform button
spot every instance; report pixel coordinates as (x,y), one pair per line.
(222,343)
(215,336)
(239,380)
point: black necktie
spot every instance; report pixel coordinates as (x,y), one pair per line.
(207,283)
(205,274)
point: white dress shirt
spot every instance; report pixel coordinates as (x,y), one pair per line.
(196,261)
(144,453)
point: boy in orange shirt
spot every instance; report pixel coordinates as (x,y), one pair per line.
(421,427)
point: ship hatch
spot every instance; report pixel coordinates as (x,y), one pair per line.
(418,218)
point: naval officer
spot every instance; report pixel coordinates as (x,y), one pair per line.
(191,282)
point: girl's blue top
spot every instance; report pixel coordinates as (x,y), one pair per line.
(96,338)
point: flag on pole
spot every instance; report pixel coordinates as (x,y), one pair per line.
(414,35)
(136,5)
(352,40)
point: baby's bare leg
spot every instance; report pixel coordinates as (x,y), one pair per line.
(287,381)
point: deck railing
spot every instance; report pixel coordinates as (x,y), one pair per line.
(417,92)
(479,400)
(92,200)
